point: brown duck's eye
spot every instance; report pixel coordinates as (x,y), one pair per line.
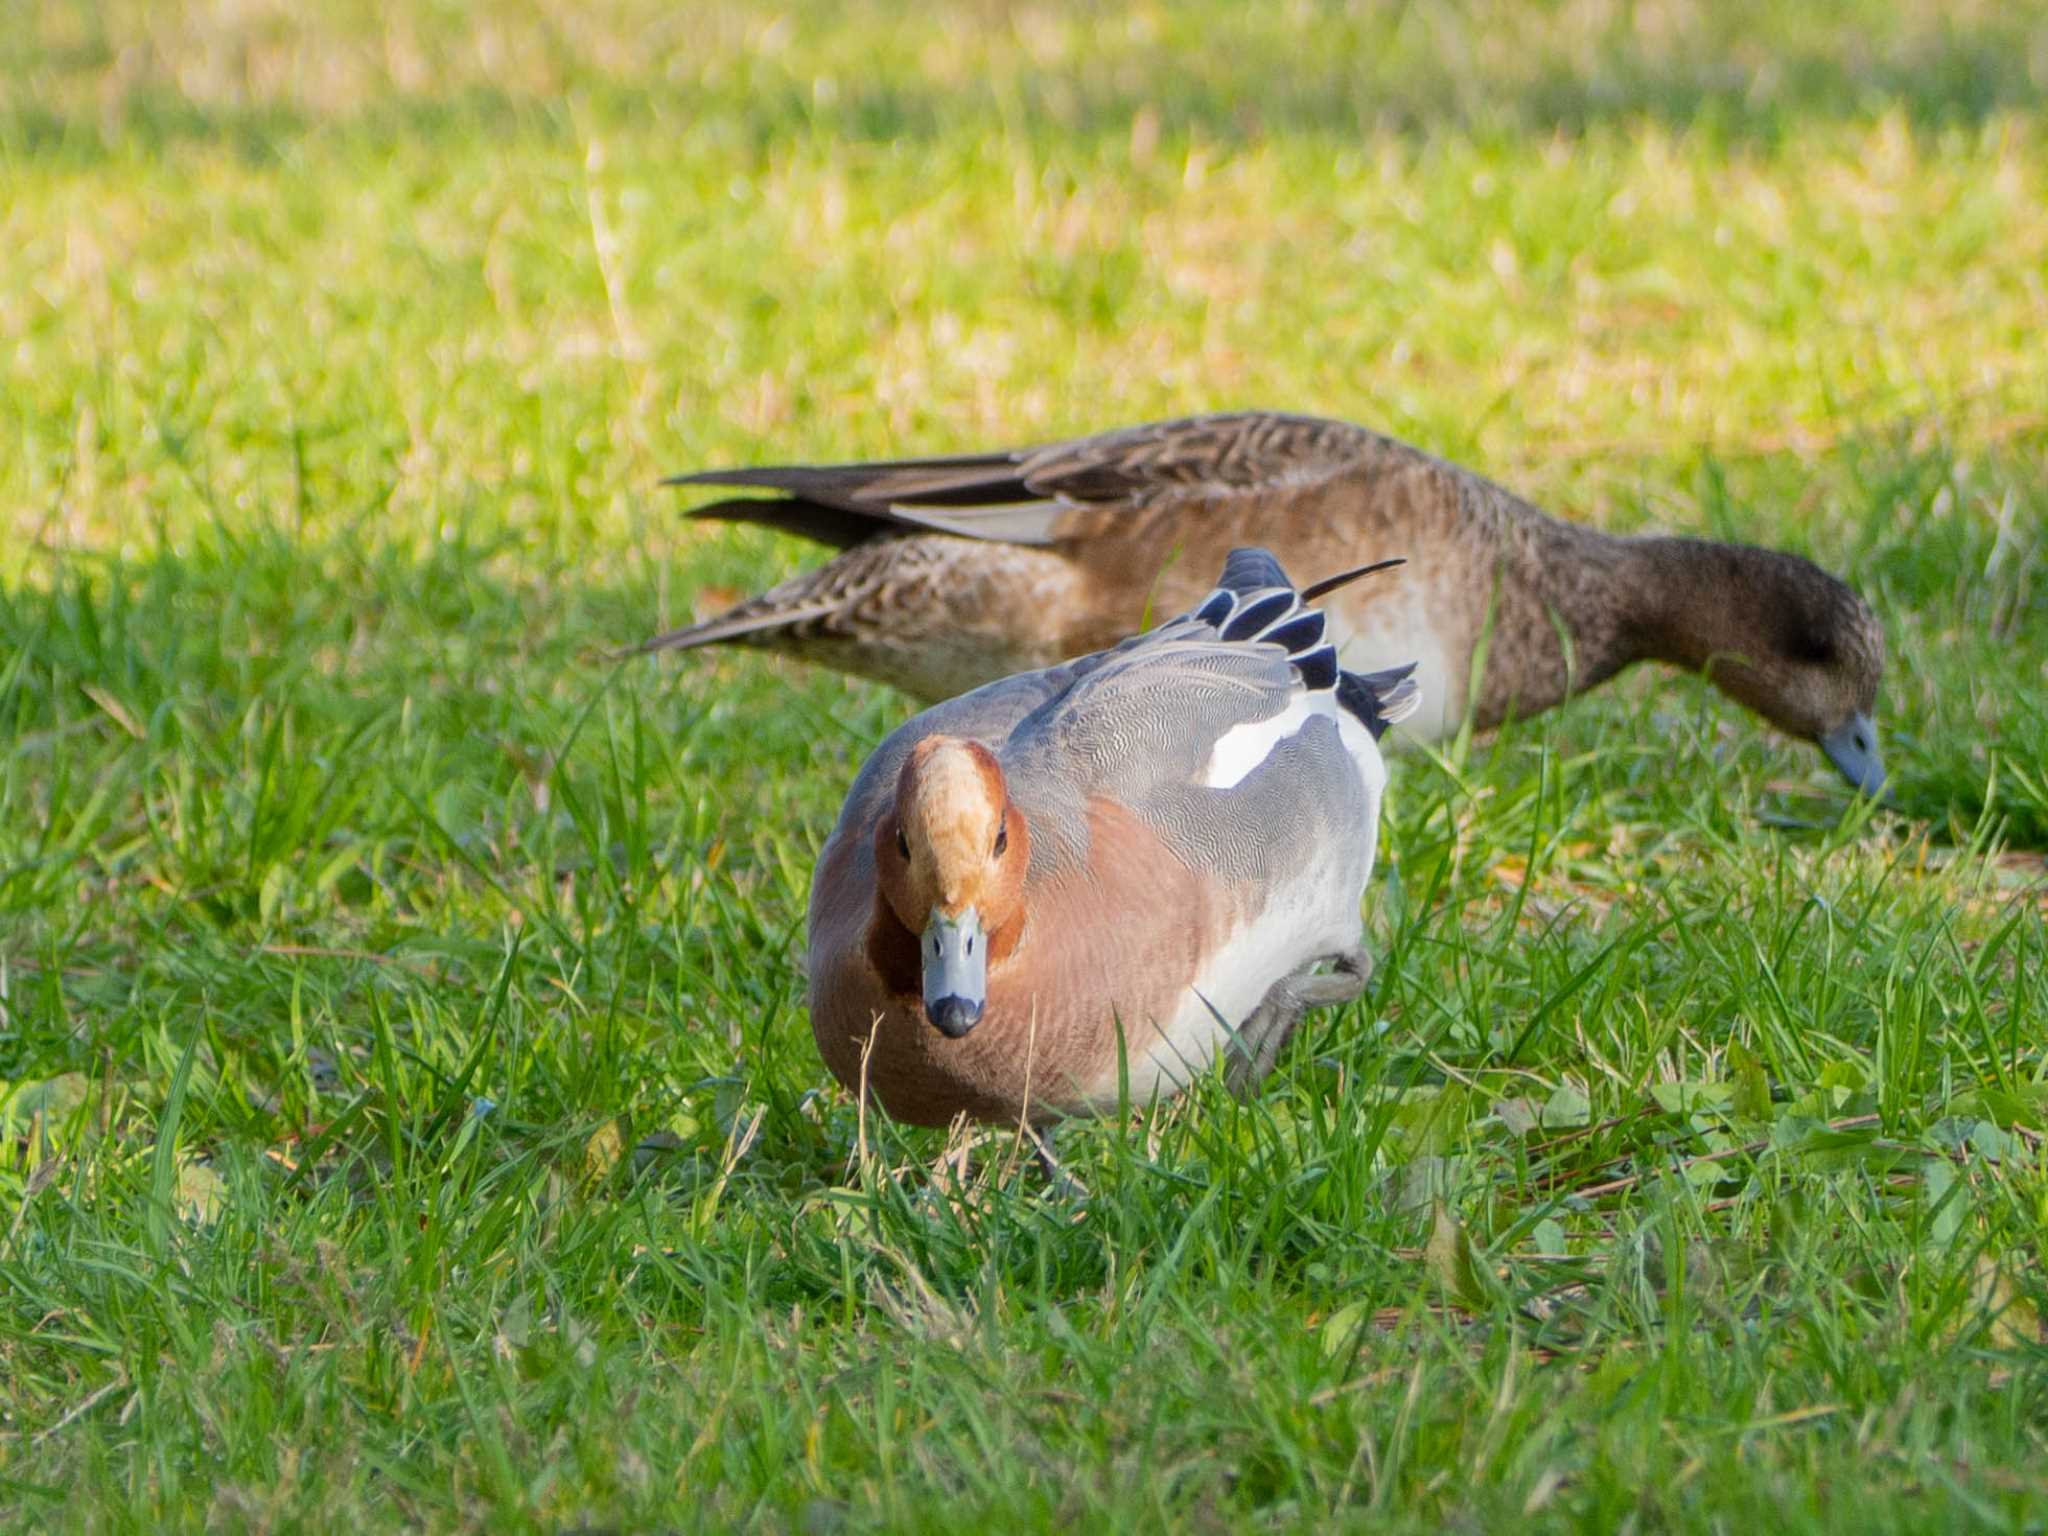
(1002,838)
(902,843)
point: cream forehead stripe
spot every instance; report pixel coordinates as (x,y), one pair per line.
(950,783)
(953,813)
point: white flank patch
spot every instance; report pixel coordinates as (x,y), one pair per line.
(1372,768)
(1311,912)
(1317,915)
(1239,750)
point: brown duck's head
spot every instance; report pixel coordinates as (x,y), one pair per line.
(1780,635)
(950,857)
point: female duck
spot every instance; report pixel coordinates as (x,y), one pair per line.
(1090,881)
(959,570)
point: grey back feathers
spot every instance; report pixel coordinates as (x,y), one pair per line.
(1256,603)
(1141,724)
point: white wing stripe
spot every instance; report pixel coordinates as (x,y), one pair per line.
(1240,750)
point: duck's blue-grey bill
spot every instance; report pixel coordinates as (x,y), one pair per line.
(955,953)
(1852,748)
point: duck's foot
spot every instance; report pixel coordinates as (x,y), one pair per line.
(1270,1025)
(1063,1184)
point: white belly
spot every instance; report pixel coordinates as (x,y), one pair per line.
(1317,916)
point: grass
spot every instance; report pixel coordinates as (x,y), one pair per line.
(407,1114)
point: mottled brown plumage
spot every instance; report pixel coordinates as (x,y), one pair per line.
(957,571)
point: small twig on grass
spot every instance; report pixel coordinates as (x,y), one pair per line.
(604,244)
(40,1180)
(860,1124)
(1590,1130)
(1748,1148)
(322,952)
(1892,1181)
(81,1409)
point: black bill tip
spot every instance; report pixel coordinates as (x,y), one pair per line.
(953,1016)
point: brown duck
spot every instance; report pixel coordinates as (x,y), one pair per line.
(956,571)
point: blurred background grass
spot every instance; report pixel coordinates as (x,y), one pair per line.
(340,350)
(1560,240)
(1769,272)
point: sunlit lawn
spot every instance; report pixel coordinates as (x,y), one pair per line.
(408,1115)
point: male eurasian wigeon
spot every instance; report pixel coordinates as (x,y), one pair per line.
(1089,881)
(959,570)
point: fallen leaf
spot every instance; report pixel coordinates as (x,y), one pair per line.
(1752,1090)
(201,1191)
(607,1144)
(1566,1108)
(1449,1257)
(2013,1321)
(1341,1326)
(1519,1115)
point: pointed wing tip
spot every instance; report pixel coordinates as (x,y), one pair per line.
(1401,701)
(684,639)
(732,625)
(1380,699)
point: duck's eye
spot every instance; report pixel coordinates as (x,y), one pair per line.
(902,843)
(1002,839)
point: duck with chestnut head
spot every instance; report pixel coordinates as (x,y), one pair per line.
(1082,885)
